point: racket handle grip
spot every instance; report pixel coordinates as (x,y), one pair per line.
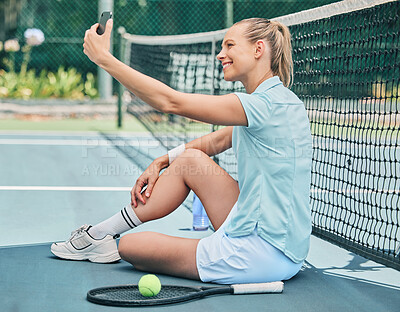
(257,288)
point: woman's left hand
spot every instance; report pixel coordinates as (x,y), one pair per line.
(97,47)
(148,178)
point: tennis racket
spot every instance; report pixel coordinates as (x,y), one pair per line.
(129,295)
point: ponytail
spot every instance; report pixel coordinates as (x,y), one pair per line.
(279,39)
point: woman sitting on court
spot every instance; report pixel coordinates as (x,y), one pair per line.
(262,221)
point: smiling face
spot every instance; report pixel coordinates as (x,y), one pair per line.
(237,55)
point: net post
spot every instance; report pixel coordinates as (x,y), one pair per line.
(213,48)
(228,13)
(104,79)
(121,32)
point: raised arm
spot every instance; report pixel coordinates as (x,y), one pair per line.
(220,110)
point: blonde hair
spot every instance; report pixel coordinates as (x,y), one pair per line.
(279,39)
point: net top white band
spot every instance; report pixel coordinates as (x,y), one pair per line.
(289,20)
(175,39)
(328,10)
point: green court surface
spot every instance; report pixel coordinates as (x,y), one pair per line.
(68,124)
(52,182)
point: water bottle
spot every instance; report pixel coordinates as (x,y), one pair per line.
(200,219)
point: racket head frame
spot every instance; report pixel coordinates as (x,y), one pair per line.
(190,293)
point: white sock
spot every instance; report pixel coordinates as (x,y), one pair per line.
(119,223)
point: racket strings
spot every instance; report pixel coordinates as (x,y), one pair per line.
(131,293)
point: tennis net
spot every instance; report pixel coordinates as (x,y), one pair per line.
(346,71)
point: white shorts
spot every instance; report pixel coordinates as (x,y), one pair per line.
(247,259)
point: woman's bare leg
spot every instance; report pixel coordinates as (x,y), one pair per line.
(176,256)
(217,190)
(160,253)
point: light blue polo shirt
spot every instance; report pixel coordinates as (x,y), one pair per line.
(274,169)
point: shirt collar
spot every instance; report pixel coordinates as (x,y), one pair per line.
(268,84)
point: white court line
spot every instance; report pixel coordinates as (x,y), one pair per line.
(65,188)
(57,133)
(83,142)
(118,189)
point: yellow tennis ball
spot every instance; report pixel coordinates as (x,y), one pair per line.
(149,285)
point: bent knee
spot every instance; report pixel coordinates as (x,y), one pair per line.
(123,246)
(132,247)
(128,245)
(192,156)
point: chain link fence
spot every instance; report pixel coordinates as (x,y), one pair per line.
(64,22)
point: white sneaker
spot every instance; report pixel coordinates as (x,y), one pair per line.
(82,246)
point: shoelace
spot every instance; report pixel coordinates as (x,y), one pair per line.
(78,231)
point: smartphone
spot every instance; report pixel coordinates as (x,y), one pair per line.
(105,16)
